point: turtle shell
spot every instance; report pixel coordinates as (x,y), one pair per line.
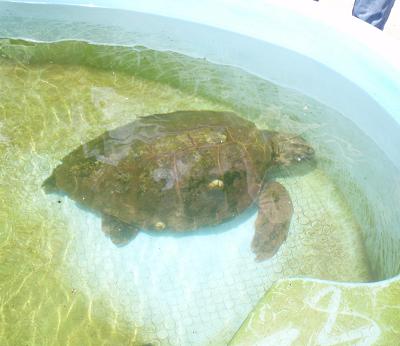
(181,170)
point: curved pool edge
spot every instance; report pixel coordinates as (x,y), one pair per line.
(314,35)
(237,15)
(316,312)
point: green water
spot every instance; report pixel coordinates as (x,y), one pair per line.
(46,110)
(54,97)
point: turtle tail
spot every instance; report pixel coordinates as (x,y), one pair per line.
(49,185)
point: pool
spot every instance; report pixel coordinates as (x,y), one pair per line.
(338,90)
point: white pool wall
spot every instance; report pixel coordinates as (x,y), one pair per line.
(363,55)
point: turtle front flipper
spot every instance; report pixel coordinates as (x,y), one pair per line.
(275,211)
(119,232)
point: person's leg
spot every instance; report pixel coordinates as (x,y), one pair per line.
(375,12)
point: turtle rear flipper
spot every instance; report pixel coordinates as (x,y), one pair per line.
(275,212)
(50,184)
(119,232)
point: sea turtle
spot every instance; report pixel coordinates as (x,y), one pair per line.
(181,171)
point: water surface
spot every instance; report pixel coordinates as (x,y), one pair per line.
(64,282)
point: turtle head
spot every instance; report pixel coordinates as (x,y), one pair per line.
(288,149)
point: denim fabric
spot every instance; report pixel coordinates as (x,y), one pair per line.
(375,12)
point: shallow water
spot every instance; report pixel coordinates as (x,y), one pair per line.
(63,281)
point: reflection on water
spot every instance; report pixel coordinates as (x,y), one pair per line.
(63,281)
